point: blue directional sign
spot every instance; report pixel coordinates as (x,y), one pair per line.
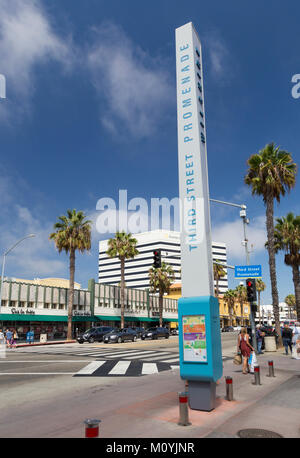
(247,271)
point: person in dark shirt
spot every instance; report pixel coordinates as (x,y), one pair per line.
(287,335)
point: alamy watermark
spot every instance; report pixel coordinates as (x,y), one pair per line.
(136,215)
(296,88)
(2,87)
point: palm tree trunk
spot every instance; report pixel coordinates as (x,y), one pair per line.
(259,314)
(160,302)
(122,292)
(272,263)
(296,280)
(71,293)
(217,286)
(242,313)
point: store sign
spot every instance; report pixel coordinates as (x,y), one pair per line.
(81,313)
(22,311)
(196,246)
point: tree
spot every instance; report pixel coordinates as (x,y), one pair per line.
(260,286)
(290,300)
(219,272)
(287,238)
(229,298)
(122,246)
(160,280)
(241,295)
(72,233)
(271,174)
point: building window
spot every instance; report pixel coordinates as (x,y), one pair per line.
(12,303)
(53,306)
(21,304)
(46,305)
(31,305)
(61,306)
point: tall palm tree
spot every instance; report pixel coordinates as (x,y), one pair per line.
(290,300)
(229,298)
(122,246)
(72,233)
(241,295)
(219,273)
(260,287)
(287,238)
(160,280)
(271,174)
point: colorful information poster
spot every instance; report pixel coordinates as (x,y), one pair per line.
(194,338)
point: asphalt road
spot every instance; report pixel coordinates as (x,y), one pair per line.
(40,383)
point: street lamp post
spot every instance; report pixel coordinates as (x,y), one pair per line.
(3,263)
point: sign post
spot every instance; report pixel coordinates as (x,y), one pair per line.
(198,309)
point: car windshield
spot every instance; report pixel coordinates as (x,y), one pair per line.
(151,329)
(91,330)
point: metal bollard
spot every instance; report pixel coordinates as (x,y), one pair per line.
(229,389)
(271,369)
(256,376)
(183,409)
(92,428)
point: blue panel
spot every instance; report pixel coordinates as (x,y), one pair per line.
(208,308)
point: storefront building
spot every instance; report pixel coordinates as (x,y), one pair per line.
(43,309)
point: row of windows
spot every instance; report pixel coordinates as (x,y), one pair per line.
(31,305)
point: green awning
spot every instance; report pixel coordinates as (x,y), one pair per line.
(27,317)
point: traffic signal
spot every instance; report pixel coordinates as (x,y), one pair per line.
(156,259)
(251,290)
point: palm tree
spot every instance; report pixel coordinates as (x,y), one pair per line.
(241,295)
(219,272)
(260,286)
(290,300)
(72,233)
(229,298)
(122,246)
(160,280)
(287,238)
(271,174)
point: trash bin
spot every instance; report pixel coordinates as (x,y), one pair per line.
(270,343)
(43,338)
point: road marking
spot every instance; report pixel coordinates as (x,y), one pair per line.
(162,355)
(172,360)
(175,367)
(138,353)
(120,368)
(149,368)
(47,361)
(90,368)
(37,373)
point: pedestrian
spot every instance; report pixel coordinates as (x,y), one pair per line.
(28,337)
(287,336)
(245,348)
(259,339)
(8,336)
(2,338)
(296,332)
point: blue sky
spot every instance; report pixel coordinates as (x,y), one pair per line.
(91,109)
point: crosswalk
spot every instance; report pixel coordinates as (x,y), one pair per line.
(114,362)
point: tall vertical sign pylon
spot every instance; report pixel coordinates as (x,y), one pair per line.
(198,311)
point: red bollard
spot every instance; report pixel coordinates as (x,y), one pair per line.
(271,369)
(183,409)
(256,376)
(92,428)
(229,389)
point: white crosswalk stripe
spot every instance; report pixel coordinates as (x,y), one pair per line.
(149,368)
(120,368)
(90,368)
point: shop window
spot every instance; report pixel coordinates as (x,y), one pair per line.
(46,305)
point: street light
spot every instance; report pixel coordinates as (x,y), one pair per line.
(3,263)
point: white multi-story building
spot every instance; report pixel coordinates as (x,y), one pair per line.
(137,269)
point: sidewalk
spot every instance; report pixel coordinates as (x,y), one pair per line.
(273,406)
(51,342)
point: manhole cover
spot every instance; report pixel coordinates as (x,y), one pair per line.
(255,433)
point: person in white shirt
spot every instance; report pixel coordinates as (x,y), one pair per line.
(296,332)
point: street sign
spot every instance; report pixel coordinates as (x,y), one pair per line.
(247,271)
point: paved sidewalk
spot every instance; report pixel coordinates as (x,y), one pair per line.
(50,342)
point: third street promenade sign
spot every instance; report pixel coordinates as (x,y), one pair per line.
(247,271)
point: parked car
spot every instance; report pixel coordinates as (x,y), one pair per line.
(120,335)
(139,331)
(155,333)
(94,334)
(228,329)
(174,332)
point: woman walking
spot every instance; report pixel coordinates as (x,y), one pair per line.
(245,348)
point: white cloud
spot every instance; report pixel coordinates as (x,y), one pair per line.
(222,64)
(26,39)
(134,88)
(232,234)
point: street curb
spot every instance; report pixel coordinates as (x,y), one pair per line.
(46,343)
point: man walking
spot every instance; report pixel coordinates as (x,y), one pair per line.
(287,335)
(259,339)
